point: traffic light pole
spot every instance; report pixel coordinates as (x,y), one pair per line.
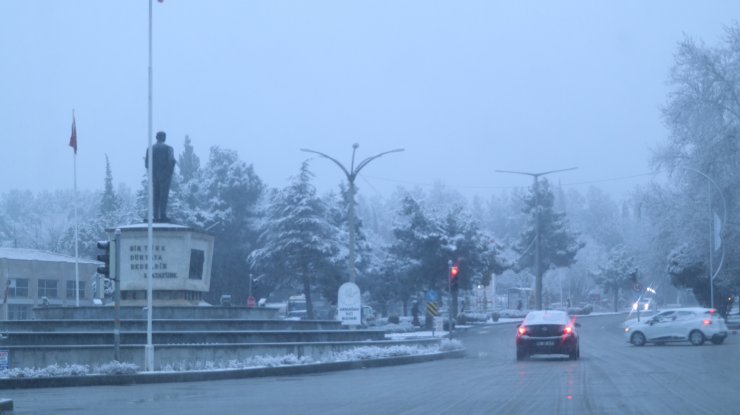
(449,290)
(117,295)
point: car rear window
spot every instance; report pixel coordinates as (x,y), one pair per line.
(546,317)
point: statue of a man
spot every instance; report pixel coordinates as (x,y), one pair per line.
(163,165)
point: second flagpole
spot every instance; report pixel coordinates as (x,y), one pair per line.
(149,348)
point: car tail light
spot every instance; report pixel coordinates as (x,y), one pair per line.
(568,330)
(707,322)
(521,330)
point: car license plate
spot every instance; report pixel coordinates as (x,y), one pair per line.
(546,343)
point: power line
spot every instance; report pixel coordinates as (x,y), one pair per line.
(427,184)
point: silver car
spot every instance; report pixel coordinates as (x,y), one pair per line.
(693,324)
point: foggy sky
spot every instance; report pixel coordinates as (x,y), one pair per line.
(466,88)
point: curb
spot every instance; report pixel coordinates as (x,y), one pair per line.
(197,376)
(6,405)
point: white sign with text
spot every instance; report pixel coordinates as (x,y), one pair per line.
(349,304)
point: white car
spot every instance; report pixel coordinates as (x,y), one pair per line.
(694,324)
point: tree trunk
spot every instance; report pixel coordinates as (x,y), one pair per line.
(616,299)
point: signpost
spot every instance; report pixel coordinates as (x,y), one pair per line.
(349,304)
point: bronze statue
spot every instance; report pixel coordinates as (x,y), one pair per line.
(163,165)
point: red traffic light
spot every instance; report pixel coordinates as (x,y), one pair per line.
(453,271)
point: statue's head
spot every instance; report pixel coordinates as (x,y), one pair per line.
(161,136)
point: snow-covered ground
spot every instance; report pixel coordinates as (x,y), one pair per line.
(116,368)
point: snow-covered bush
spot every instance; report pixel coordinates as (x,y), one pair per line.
(116,368)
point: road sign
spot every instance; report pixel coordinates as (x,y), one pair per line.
(637,287)
(251,303)
(432,309)
(432,296)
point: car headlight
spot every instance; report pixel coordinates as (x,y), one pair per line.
(626,329)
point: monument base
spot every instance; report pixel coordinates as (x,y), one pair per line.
(181,262)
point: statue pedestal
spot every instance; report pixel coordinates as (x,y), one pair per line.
(182,259)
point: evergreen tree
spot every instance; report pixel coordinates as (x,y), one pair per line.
(109,203)
(418,241)
(474,252)
(188,162)
(188,193)
(619,273)
(231,191)
(297,242)
(688,270)
(548,231)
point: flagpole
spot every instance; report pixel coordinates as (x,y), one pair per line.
(149,349)
(77,232)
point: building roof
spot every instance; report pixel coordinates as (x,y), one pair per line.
(24,254)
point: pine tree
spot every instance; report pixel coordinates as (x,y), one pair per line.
(109,203)
(548,231)
(297,242)
(232,192)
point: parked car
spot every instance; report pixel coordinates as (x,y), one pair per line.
(693,324)
(547,332)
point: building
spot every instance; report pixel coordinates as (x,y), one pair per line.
(32,278)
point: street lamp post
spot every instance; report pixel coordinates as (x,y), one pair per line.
(711,182)
(538,266)
(351,175)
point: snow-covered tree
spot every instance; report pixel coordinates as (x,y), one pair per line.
(418,239)
(109,203)
(702,113)
(688,270)
(297,241)
(619,273)
(232,191)
(558,245)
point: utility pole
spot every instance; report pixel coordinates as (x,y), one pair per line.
(351,175)
(537,262)
(712,274)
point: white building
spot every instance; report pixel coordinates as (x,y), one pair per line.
(31,278)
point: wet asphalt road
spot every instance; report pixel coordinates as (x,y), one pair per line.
(612,377)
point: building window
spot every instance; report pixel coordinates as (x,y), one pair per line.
(197,257)
(19,312)
(71,289)
(47,288)
(18,288)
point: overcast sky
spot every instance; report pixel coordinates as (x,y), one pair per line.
(465,87)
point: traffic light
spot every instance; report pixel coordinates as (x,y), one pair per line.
(453,272)
(453,276)
(107,257)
